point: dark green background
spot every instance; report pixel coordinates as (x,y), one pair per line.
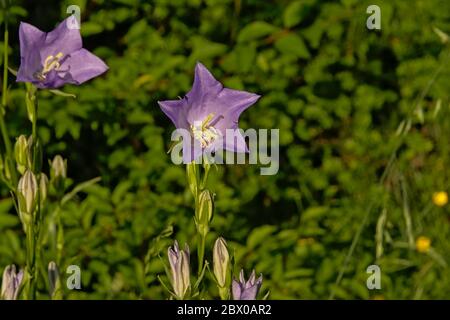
(338,93)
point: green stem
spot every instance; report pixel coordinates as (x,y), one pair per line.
(201,252)
(3,129)
(31,263)
(59,237)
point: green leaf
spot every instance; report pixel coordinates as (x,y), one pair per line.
(256,30)
(80,187)
(13,71)
(292,44)
(62,94)
(259,235)
(292,15)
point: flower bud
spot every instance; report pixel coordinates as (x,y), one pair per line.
(11,283)
(58,168)
(43,188)
(221,262)
(58,172)
(21,153)
(204,212)
(54,281)
(179,270)
(27,192)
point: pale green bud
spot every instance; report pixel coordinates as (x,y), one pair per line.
(221,262)
(27,192)
(204,212)
(21,153)
(58,168)
(58,172)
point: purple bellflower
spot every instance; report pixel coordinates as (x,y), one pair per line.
(51,60)
(207,112)
(246,290)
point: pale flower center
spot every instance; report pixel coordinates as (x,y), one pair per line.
(50,63)
(204,132)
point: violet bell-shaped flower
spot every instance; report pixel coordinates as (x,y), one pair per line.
(246,290)
(207,112)
(51,60)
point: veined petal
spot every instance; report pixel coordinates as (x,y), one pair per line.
(31,40)
(62,39)
(83,66)
(176,111)
(205,85)
(236,290)
(250,293)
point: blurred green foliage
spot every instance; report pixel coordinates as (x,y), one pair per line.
(346,100)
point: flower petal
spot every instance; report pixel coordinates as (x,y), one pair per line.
(204,84)
(62,39)
(176,111)
(83,66)
(236,290)
(31,40)
(250,293)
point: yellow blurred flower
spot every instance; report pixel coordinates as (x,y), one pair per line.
(378,297)
(440,198)
(423,244)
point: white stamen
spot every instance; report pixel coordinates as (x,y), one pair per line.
(204,132)
(50,63)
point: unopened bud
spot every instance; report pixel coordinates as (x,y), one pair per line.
(21,153)
(11,283)
(179,270)
(204,211)
(58,168)
(58,172)
(221,262)
(27,192)
(54,281)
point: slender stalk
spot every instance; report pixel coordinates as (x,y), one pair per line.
(3,129)
(31,263)
(197,184)
(201,252)
(35,227)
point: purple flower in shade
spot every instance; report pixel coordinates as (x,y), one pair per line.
(11,283)
(246,290)
(51,60)
(207,112)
